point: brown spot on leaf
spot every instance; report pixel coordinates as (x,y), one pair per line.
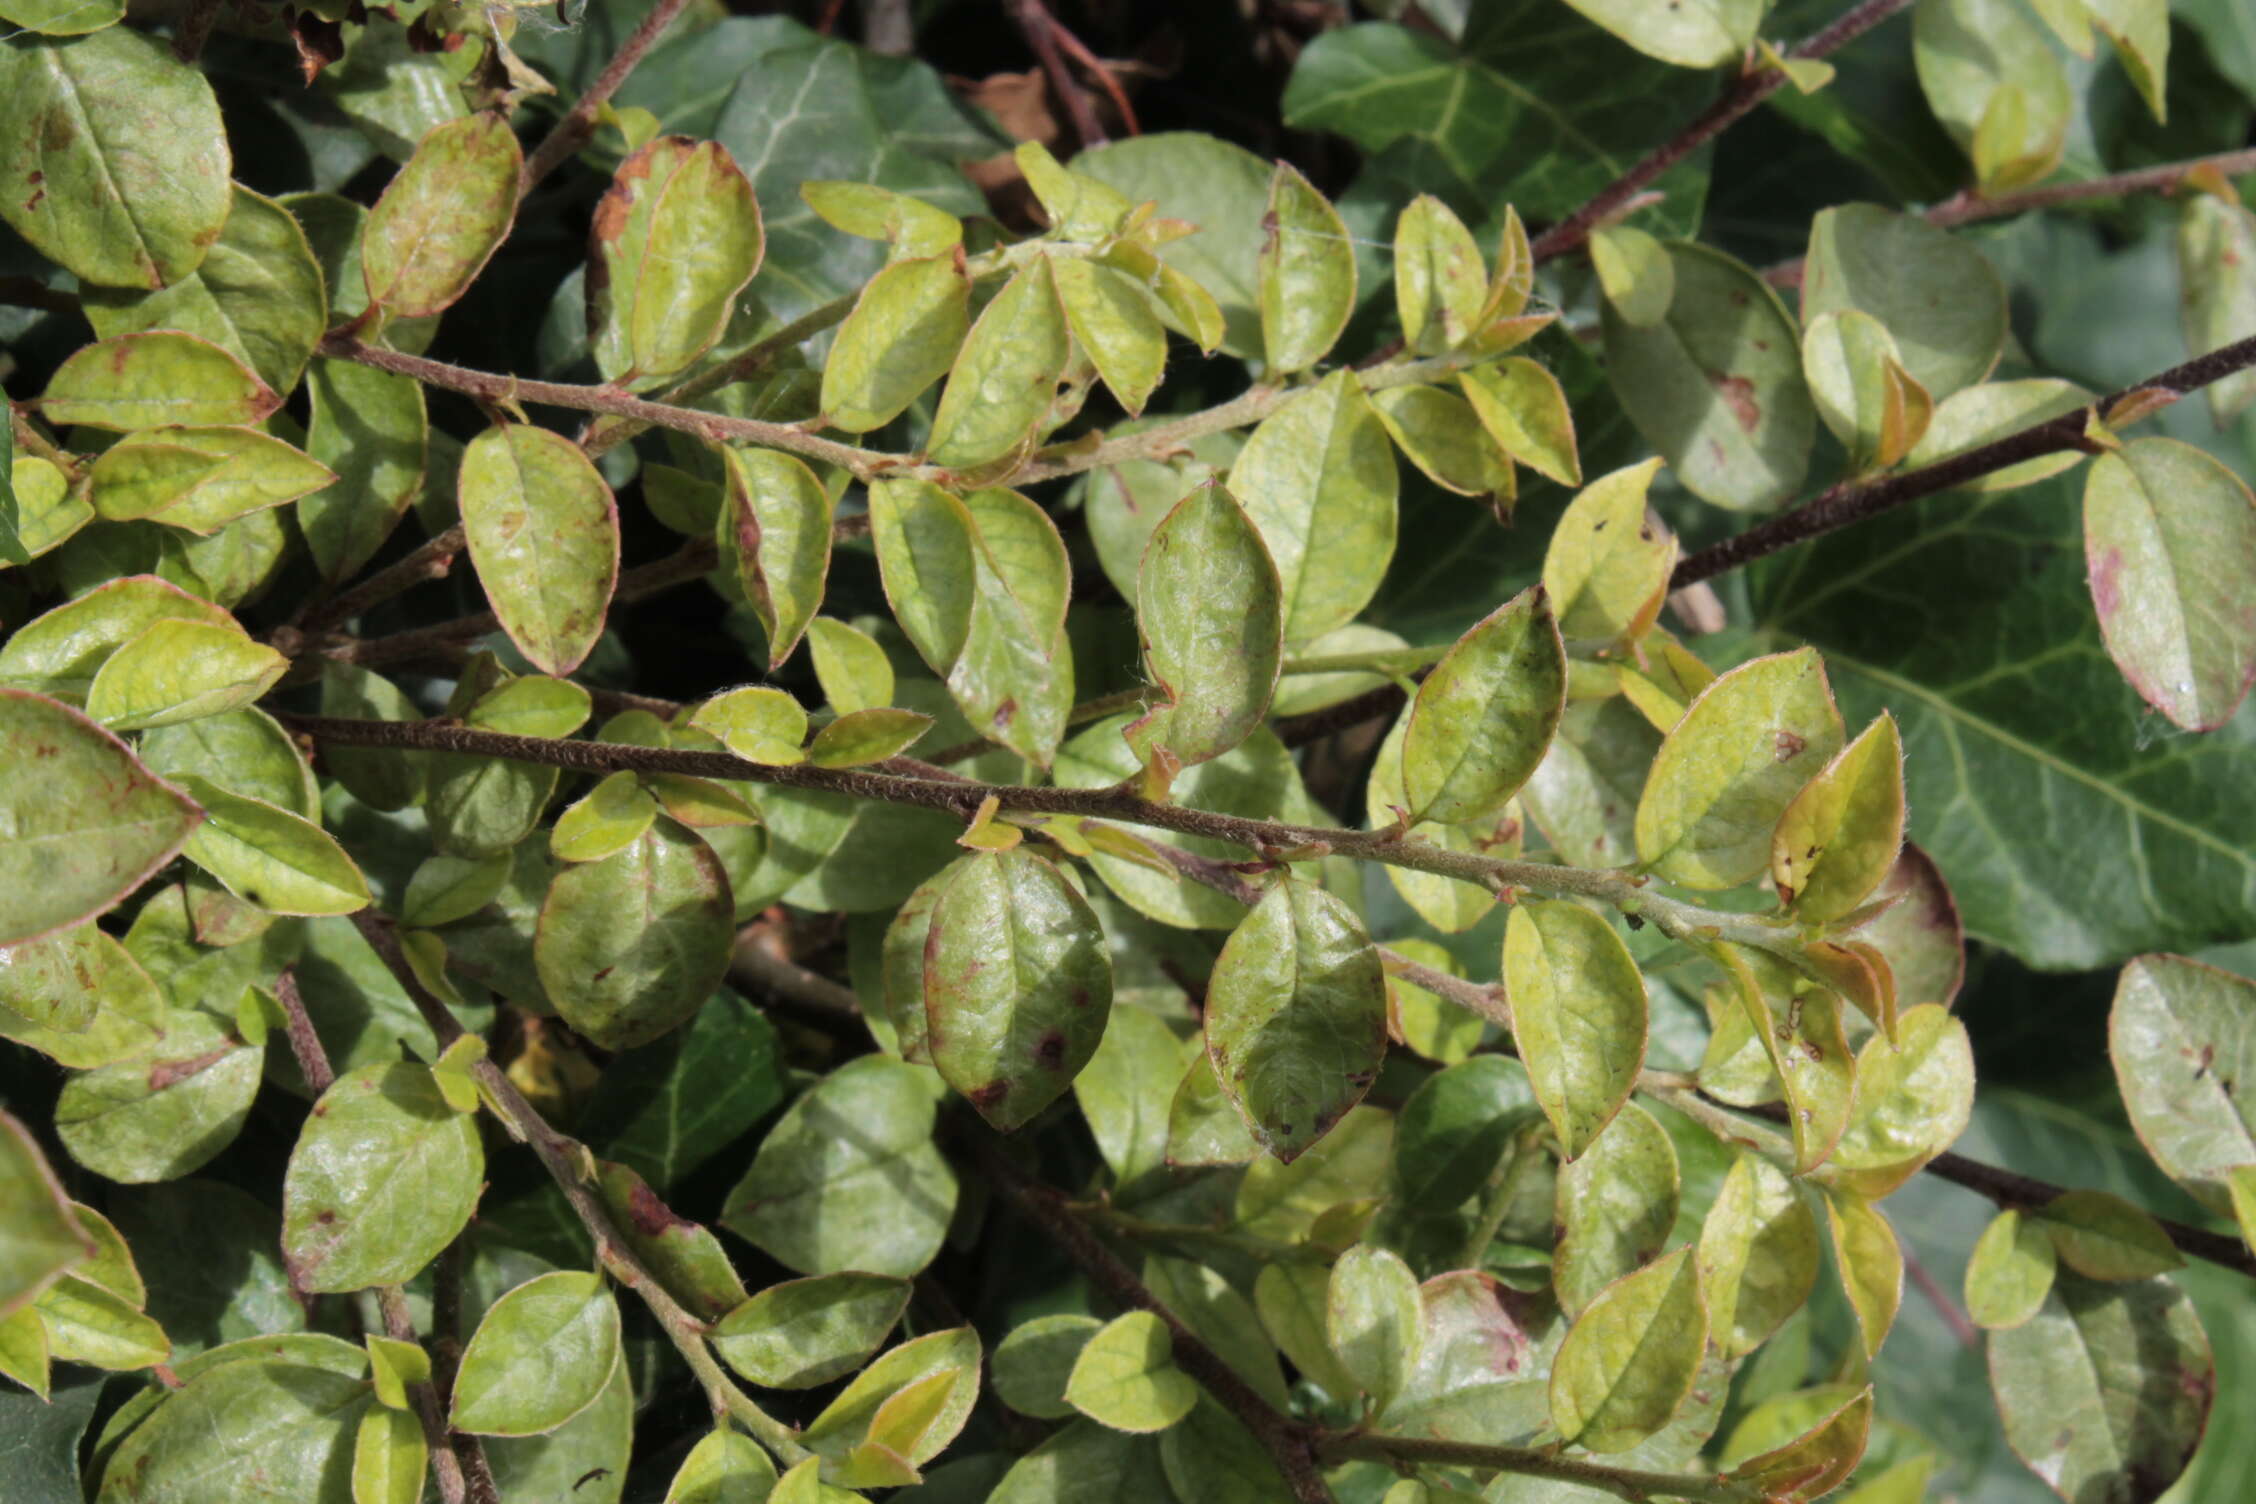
(650,1215)
(988,1095)
(1738,394)
(1789,745)
(2106,590)
(1049,1050)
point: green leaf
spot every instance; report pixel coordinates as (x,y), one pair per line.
(1436,430)
(1112,321)
(88,1324)
(1935,293)
(1982,414)
(59,653)
(1210,614)
(1221,1318)
(949,1358)
(1536,107)
(1578,1015)
(1871,1265)
(157,380)
(1616,1205)
(776,530)
(1034,1363)
(1017,984)
(904,334)
(673,242)
(1524,409)
(667,1109)
(1203,1123)
(1482,718)
(2170,534)
(1373,1322)
(596,1442)
(1125,1376)
(1449,904)
(2217,281)
(630,946)
(725,1467)
(1629,1360)
(1798,1025)
(257,1431)
(1086,1463)
(1125,1092)
(1296,1016)
(1635,273)
(544,536)
(1716,385)
(1456,1127)
(910,226)
(1306,271)
(1224,190)
(758,724)
(1862,392)
(541,1355)
(384,1176)
(1732,766)
(62,18)
(2106,1390)
(1078,207)
(867,736)
(2140,32)
(267,856)
(200,479)
(163,1112)
(1583,795)
(89,830)
(1318,480)
(848,1177)
(1839,838)
(1814,1463)
(1992,78)
(1913,1097)
(853,670)
(1758,1255)
(38,510)
(40,1237)
(612,817)
(806,1332)
(926,543)
(441,216)
(389,1458)
(2044,796)
(1698,34)
(369,428)
(1014,676)
(1006,375)
(257,294)
(2101,1236)
(181,671)
(1607,565)
(2186,1066)
(1440,284)
(2010,1272)
(116,165)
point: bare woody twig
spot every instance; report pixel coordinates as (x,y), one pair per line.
(1751,89)
(578,125)
(1040,29)
(1851,502)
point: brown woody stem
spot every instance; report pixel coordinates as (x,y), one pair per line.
(1851,502)
(578,125)
(564,1159)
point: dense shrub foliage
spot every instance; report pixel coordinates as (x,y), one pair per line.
(733,771)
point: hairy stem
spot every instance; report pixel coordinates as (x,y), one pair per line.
(1851,502)
(1635,1485)
(564,1159)
(962,798)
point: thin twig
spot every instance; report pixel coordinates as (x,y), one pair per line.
(305,1044)
(578,124)
(1915,1270)
(431,560)
(1289,1444)
(1751,89)
(962,798)
(563,1158)
(1040,29)
(2012,1190)
(1635,1485)
(1851,502)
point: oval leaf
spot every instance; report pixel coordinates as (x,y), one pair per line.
(1629,1360)
(384,1175)
(630,947)
(1578,1015)
(544,536)
(1209,611)
(1484,716)
(1296,1016)
(159,380)
(441,216)
(1318,479)
(541,1354)
(673,242)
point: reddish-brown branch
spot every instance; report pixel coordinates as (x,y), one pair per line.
(1851,502)
(1041,30)
(431,560)
(578,125)
(1751,89)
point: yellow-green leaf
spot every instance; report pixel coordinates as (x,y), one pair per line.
(179,671)
(1318,479)
(201,479)
(1607,567)
(1306,274)
(902,336)
(2010,1271)
(544,537)
(775,528)
(673,242)
(1524,409)
(1210,614)
(1578,1015)
(1841,835)
(1126,1378)
(1483,717)
(1870,1264)
(441,216)
(1113,322)
(1629,1360)
(1004,379)
(1440,284)
(158,380)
